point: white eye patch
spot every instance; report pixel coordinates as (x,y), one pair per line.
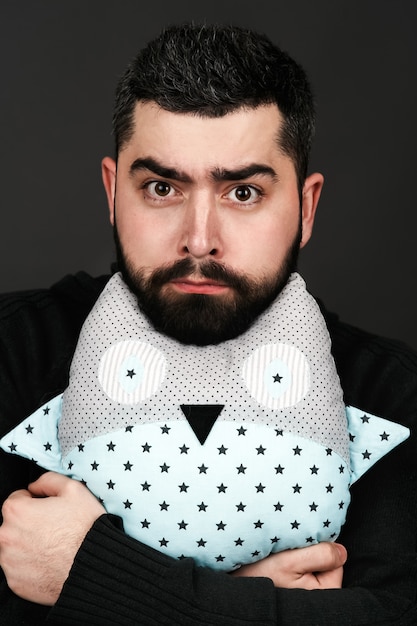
(277,375)
(131,371)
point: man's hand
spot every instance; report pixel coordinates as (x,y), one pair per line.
(315,567)
(40,535)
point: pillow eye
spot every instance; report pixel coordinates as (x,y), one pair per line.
(277,375)
(131,371)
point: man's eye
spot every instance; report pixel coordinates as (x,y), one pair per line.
(245,194)
(159,188)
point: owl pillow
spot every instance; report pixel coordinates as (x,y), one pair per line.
(224,453)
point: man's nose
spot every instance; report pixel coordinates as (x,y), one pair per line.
(201,230)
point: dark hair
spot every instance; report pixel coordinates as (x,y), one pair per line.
(212,70)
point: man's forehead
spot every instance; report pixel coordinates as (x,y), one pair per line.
(187,141)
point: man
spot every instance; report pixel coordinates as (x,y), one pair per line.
(210,202)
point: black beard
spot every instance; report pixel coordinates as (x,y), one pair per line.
(204,319)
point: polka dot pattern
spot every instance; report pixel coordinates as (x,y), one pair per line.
(292,332)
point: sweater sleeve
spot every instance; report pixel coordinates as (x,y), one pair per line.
(116,580)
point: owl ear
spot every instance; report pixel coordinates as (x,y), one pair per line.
(371,438)
(36,438)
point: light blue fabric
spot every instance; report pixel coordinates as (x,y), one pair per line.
(269,490)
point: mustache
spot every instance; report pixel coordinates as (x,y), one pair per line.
(212,270)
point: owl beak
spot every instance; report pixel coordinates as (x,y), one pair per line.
(201,418)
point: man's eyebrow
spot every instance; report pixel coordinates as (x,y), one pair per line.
(219,174)
(148,163)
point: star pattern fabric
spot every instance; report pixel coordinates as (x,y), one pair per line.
(226,482)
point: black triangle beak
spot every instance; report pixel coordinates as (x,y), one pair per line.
(201,418)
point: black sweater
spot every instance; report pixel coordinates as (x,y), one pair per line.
(117,581)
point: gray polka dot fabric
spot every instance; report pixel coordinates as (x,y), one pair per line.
(289,340)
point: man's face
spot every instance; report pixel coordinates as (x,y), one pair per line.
(207,218)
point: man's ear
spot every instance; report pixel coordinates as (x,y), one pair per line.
(108,174)
(310,199)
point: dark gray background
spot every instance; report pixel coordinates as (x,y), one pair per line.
(60,60)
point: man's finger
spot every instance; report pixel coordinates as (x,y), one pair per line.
(20,493)
(321,557)
(49,484)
